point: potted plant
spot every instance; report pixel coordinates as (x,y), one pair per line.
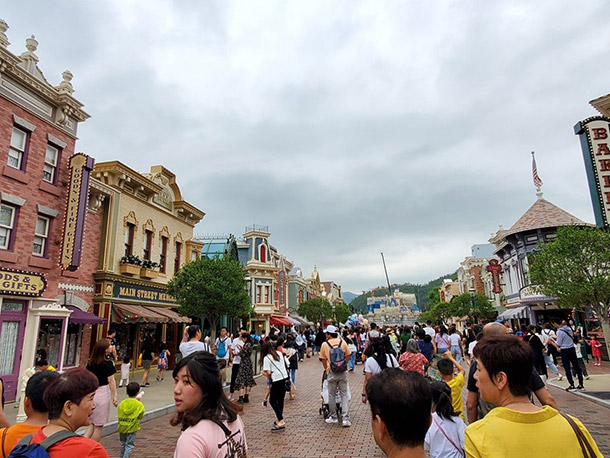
(149,269)
(130,265)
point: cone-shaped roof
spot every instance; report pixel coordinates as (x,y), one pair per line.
(541,215)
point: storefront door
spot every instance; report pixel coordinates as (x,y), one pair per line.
(12,326)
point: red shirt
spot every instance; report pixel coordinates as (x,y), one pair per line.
(74,446)
(413,362)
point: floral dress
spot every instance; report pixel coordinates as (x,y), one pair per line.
(162,363)
(245,376)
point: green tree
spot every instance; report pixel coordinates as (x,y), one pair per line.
(342,313)
(434,297)
(575,268)
(317,309)
(438,314)
(210,288)
(475,307)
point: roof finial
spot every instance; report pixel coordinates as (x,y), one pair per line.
(537,179)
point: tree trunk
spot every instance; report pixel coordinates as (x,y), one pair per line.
(213,325)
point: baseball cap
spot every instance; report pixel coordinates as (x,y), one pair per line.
(330,329)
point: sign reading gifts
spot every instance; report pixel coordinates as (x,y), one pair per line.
(142,293)
(595,142)
(21,283)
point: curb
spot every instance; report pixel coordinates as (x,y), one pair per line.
(582,394)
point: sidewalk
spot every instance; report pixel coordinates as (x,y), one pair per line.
(597,388)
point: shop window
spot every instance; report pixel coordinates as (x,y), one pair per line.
(51,159)
(163,256)
(7,225)
(49,339)
(177,258)
(73,344)
(41,235)
(17,150)
(147,244)
(130,229)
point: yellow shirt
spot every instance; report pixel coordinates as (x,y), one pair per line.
(325,350)
(506,433)
(456,384)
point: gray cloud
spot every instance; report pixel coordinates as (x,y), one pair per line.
(349,128)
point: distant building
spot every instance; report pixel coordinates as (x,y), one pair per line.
(332,292)
(474,275)
(398,309)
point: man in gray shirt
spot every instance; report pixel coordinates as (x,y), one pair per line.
(192,341)
(565,345)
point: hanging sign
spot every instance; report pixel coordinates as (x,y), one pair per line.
(595,141)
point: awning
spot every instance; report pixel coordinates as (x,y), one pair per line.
(293,321)
(301,320)
(173,316)
(280,321)
(80,317)
(124,313)
(515,313)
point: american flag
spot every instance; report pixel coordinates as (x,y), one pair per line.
(537,179)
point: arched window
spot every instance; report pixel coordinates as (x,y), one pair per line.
(263,253)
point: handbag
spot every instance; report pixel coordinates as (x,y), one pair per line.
(585,446)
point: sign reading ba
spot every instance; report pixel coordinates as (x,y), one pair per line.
(595,142)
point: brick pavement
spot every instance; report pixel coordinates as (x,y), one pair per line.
(307,436)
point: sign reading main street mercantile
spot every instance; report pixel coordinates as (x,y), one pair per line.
(141,294)
(21,283)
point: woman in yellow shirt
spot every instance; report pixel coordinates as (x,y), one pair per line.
(504,367)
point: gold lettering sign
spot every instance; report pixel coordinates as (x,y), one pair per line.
(77,164)
(21,283)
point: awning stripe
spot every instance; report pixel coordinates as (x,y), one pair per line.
(126,313)
(173,316)
(280,321)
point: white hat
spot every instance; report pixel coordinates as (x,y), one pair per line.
(330,329)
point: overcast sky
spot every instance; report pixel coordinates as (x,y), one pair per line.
(349,128)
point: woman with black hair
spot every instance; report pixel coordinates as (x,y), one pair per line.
(380,359)
(245,377)
(211,427)
(445,437)
(274,368)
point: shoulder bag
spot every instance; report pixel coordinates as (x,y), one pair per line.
(587,449)
(459,449)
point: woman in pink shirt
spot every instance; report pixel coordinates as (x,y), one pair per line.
(211,427)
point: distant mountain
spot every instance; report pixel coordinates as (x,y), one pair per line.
(420,291)
(348,297)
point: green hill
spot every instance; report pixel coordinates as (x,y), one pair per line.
(420,291)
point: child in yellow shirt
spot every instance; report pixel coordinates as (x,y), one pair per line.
(453,375)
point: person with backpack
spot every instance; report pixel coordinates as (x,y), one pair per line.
(35,410)
(334,355)
(380,359)
(565,345)
(69,400)
(222,350)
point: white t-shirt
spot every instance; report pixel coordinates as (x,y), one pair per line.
(207,440)
(430,331)
(277,368)
(471,346)
(371,364)
(454,339)
(186,348)
(547,334)
(436,442)
(236,348)
(227,343)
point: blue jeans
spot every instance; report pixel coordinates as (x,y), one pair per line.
(128,442)
(457,354)
(293,375)
(548,359)
(352,361)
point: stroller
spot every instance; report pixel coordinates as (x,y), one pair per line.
(325,408)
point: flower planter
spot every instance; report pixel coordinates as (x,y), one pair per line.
(129,269)
(148,273)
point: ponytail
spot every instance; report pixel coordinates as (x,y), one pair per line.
(441,398)
(380,353)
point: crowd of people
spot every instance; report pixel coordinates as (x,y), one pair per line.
(413,383)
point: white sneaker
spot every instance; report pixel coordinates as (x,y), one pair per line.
(346,422)
(559,378)
(331,420)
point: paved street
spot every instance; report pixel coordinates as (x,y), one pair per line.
(308,436)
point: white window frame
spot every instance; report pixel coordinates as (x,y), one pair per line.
(43,237)
(9,229)
(18,150)
(49,165)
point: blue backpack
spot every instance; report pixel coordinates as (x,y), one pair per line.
(338,363)
(221,352)
(24,449)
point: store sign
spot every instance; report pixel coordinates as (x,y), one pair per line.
(595,143)
(494,268)
(142,294)
(76,210)
(21,283)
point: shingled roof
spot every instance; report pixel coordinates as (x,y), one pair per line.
(541,215)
